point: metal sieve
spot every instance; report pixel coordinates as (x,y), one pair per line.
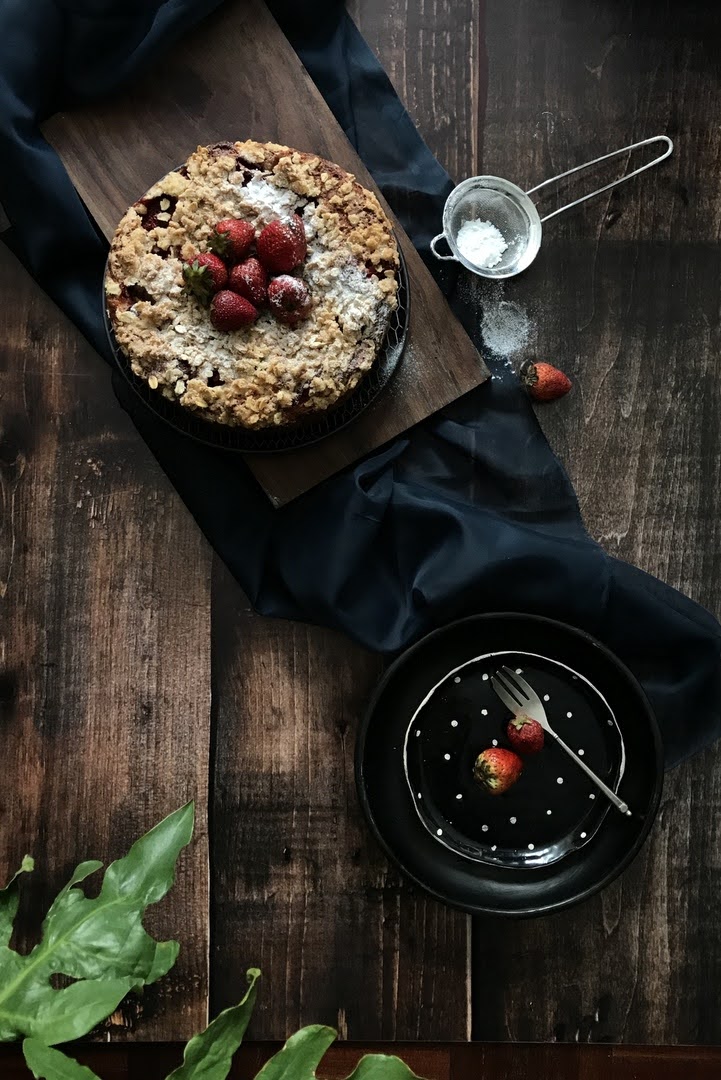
(514,214)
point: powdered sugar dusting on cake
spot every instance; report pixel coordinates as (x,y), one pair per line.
(268,372)
(353,294)
(344,292)
(267,201)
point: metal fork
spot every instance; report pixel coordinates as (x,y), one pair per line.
(520,697)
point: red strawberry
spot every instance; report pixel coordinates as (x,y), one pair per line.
(279,246)
(289,299)
(229,311)
(544,382)
(296,227)
(525,734)
(232,239)
(250,280)
(204,275)
(497,769)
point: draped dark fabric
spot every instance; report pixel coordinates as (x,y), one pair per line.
(471,511)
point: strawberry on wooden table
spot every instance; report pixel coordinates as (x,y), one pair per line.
(289,299)
(497,769)
(544,381)
(525,734)
(250,279)
(228,311)
(281,245)
(232,239)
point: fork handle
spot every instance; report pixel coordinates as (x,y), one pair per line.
(618,803)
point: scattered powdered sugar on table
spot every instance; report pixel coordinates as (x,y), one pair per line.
(481,243)
(505,327)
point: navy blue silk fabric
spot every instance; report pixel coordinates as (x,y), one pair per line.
(469,512)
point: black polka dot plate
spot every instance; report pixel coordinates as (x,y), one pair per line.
(553,838)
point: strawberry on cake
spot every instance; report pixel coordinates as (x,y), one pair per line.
(254,285)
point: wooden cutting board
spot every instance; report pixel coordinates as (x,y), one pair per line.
(236,77)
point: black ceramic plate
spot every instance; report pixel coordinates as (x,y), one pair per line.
(551,840)
(292,436)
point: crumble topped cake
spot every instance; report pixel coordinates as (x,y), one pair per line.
(254,285)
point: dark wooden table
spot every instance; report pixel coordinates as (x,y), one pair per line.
(133,673)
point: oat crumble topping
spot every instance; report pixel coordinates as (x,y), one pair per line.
(267,373)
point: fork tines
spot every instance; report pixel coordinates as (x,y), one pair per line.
(520,684)
(502,690)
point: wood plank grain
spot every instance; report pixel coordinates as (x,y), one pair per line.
(449,1061)
(300,888)
(518,1062)
(196,95)
(433,55)
(104,595)
(624,296)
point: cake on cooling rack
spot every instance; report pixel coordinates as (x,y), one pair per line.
(254,285)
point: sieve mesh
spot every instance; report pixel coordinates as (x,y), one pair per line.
(511,215)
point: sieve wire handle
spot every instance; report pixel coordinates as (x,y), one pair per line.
(434,241)
(579,168)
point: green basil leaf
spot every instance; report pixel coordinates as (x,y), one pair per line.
(208,1056)
(166,953)
(47,1064)
(62,1015)
(381,1067)
(101,942)
(9,901)
(300,1056)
